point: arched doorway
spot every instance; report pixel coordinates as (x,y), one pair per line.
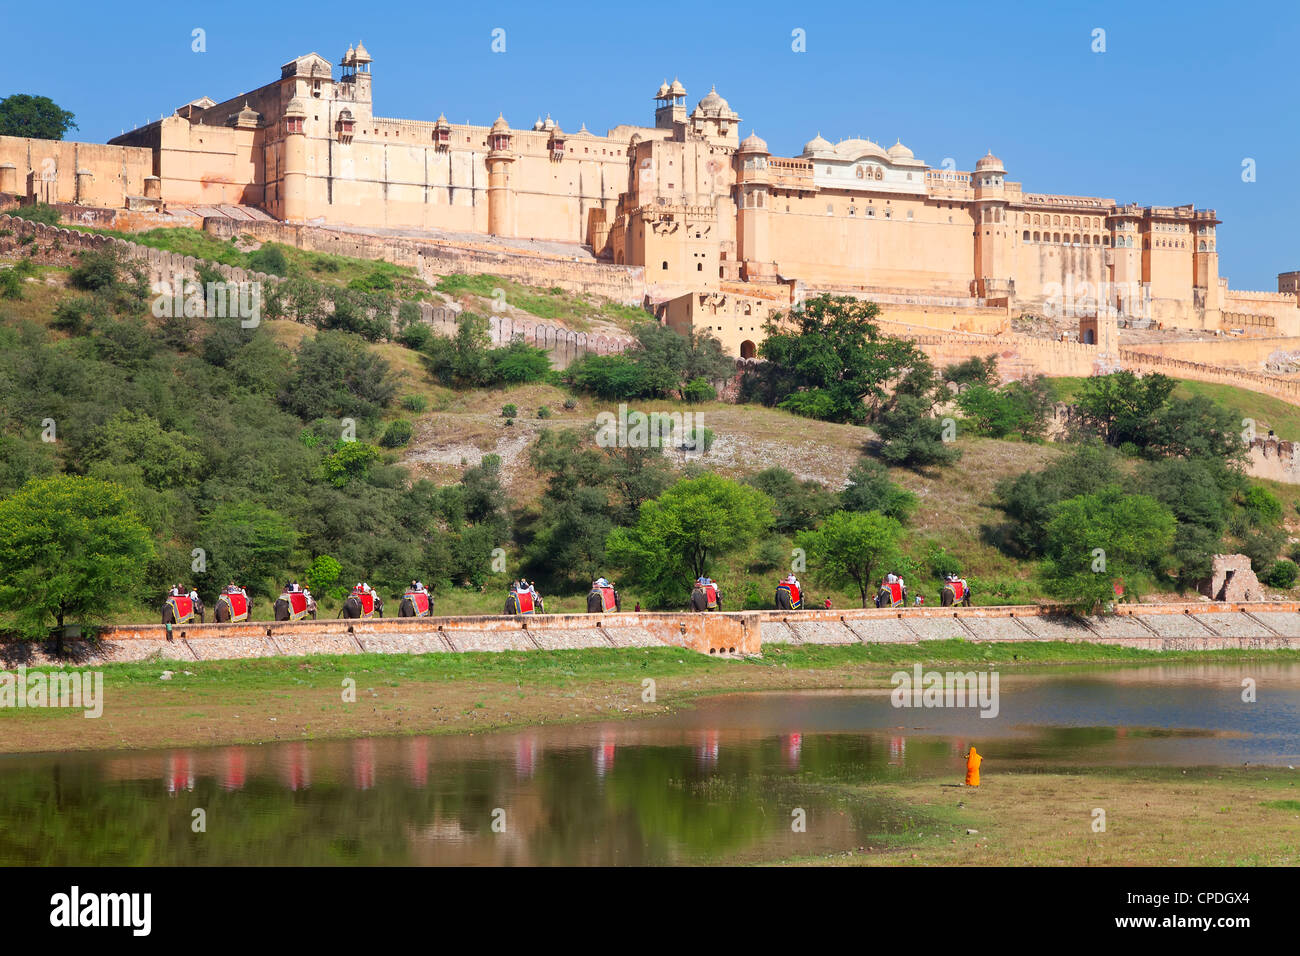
(748,349)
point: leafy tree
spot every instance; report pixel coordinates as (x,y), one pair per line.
(247,543)
(167,459)
(1282,574)
(828,359)
(34,117)
(871,489)
(322,574)
(973,371)
(518,363)
(37,212)
(1197,427)
(397,434)
(911,437)
(336,375)
(799,505)
(71,551)
(1028,499)
(1198,492)
(850,547)
(1092,540)
(1122,408)
(350,461)
(677,534)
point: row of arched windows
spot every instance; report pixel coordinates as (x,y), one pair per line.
(1078,239)
(1044,219)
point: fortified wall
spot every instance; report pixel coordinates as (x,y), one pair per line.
(161,266)
(1202,626)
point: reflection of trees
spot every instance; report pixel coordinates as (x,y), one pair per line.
(655,804)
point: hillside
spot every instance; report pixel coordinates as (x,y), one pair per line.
(194,404)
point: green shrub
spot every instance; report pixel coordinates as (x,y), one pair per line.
(397,434)
(544,412)
(698,390)
(570,404)
(1282,574)
(509,411)
(269,259)
(415,403)
(11,284)
(40,212)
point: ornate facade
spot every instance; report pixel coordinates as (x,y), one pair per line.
(725,231)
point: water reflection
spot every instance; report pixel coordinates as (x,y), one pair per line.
(717,783)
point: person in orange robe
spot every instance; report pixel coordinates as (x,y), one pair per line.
(973,761)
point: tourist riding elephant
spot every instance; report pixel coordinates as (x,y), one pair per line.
(954,592)
(170,614)
(408,606)
(284,609)
(353,608)
(596,601)
(700,599)
(531,605)
(891,596)
(784,602)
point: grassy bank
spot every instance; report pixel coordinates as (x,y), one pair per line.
(249,701)
(1154,816)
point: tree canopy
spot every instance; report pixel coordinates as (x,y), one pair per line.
(34,117)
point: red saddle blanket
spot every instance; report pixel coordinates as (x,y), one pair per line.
(607,601)
(238,605)
(958,590)
(895,592)
(793,589)
(367,602)
(297,604)
(524,599)
(711,595)
(182,609)
(420,601)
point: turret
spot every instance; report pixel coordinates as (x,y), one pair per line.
(992,236)
(500,157)
(294,173)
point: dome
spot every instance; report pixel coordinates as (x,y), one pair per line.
(295,107)
(537,127)
(548,123)
(713,104)
(990,162)
(583,133)
(899,151)
(663,91)
(349,56)
(676,89)
(501,126)
(361,55)
(857,148)
(752,144)
(817,145)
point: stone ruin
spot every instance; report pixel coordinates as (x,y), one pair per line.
(1231,580)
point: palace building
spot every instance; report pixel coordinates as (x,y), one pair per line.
(725,231)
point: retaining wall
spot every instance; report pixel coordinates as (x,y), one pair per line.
(1200,626)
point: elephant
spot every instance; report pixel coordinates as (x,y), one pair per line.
(352,607)
(512,605)
(596,602)
(407,607)
(700,600)
(169,614)
(283,611)
(885,597)
(784,602)
(948,596)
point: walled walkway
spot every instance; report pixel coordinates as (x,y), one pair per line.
(1160,627)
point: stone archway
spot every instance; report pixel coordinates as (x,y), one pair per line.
(747,349)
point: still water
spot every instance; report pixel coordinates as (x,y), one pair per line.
(716,783)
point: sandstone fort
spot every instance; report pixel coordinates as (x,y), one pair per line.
(709,230)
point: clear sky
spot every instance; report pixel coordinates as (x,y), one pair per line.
(1183,94)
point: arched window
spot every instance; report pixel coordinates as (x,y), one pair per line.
(665,265)
(1026,239)
(747,349)
(1037,237)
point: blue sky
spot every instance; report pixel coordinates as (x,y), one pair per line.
(1166,115)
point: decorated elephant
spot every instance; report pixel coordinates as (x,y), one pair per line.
(415,604)
(359,605)
(179,609)
(706,597)
(294,606)
(891,595)
(603,598)
(955,592)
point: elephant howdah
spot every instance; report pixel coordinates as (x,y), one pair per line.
(523,602)
(294,606)
(362,604)
(180,609)
(954,592)
(706,597)
(788,597)
(232,607)
(603,599)
(415,604)
(891,594)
